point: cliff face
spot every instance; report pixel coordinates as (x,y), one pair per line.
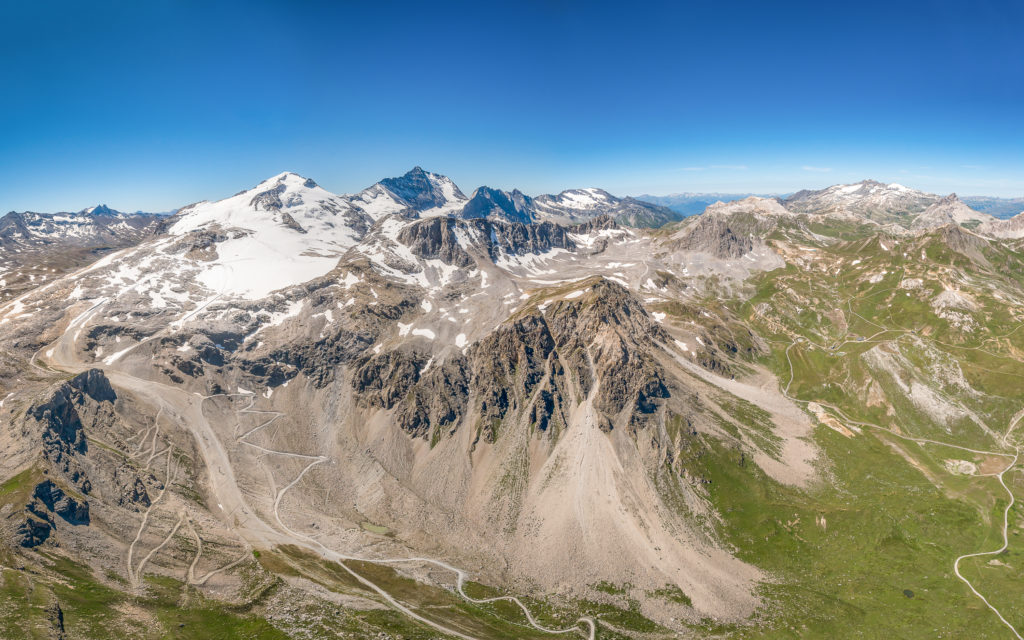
(68,472)
(539,365)
(59,422)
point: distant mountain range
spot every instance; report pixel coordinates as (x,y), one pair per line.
(97,225)
(689,204)
(35,247)
(998,207)
(428,194)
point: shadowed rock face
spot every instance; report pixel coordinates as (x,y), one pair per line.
(95,385)
(507,366)
(48,501)
(434,239)
(59,416)
(386,378)
(519,239)
(965,243)
(527,367)
(608,332)
(438,398)
(495,378)
(60,422)
(56,501)
(418,190)
(494,203)
(32,532)
(269,200)
(715,236)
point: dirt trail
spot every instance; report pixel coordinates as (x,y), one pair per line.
(135,573)
(60,355)
(1006,512)
(340,558)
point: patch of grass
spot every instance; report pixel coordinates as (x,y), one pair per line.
(607,587)
(95,610)
(672,593)
(844,554)
(17,490)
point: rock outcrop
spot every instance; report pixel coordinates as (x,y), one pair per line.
(526,369)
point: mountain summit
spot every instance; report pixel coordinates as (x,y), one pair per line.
(99,210)
(868,199)
(426,192)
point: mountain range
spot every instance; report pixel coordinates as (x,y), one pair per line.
(409,412)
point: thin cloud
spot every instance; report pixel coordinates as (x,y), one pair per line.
(734,167)
(816,169)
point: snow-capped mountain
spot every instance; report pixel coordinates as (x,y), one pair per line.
(286,200)
(887,204)
(429,194)
(93,226)
(37,247)
(868,199)
(574,202)
(495,203)
(283,231)
(423,194)
(575,205)
(288,230)
(568,207)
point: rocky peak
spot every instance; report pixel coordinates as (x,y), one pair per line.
(867,200)
(753,205)
(59,422)
(730,230)
(434,238)
(423,190)
(94,384)
(530,370)
(963,241)
(61,414)
(99,210)
(487,202)
(948,210)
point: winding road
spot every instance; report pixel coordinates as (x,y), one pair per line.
(61,355)
(1004,441)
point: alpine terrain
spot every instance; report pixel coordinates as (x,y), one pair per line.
(422,412)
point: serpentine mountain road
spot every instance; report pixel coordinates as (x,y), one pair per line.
(187,409)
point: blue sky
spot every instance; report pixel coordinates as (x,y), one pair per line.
(151,105)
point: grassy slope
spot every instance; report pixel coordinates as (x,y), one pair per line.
(895,518)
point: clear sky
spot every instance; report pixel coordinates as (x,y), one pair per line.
(154,104)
